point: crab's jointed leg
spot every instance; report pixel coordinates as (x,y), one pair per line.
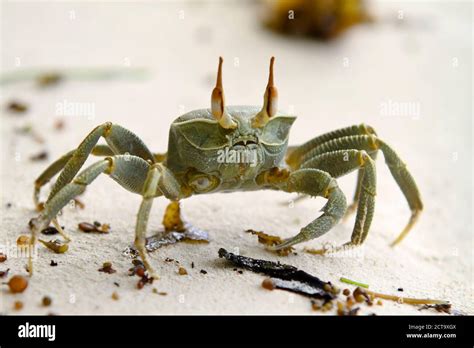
(55,167)
(128,171)
(371,144)
(296,155)
(315,182)
(119,139)
(149,192)
(342,162)
(159,179)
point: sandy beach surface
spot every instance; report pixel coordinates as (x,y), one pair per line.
(423,61)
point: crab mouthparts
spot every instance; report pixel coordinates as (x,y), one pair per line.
(245,142)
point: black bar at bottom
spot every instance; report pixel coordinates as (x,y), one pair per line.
(425,330)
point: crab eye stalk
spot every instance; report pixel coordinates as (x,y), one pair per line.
(270,101)
(218,102)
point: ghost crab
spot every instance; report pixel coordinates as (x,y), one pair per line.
(191,166)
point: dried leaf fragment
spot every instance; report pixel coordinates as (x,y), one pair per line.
(270,240)
(55,245)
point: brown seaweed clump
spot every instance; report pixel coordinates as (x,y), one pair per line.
(322,19)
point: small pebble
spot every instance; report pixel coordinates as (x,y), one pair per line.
(350,301)
(3,257)
(182,271)
(87,227)
(268,284)
(46,301)
(140,271)
(17,107)
(359,298)
(23,240)
(59,125)
(115,296)
(346,292)
(17,284)
(18,305)
(41,156)
(340,308)
(48,79)
(107,268)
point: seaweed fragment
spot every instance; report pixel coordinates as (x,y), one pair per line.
(190,235)
(442,308)
(285,277)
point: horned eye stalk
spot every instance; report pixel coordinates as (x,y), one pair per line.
(270,101)
(218,102)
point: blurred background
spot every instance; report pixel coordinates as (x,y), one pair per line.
(403,67)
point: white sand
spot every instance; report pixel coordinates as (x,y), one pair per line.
(426,60)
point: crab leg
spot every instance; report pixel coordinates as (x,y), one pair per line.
(159,180)
(371,144)
(296,155)
(315,182)
(149,192)
(55,167)
(342,162)
(129,171)
(119,139)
